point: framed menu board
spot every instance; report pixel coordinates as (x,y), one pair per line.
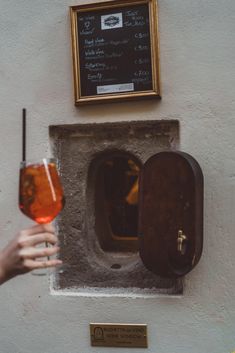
(115,50)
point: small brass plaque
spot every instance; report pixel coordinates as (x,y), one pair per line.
(118,335)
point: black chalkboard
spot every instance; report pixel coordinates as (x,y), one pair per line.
(114,50)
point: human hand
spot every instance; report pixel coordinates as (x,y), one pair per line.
(21,255)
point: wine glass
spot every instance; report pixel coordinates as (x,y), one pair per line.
(41,195)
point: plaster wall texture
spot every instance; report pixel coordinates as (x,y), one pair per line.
(197,56)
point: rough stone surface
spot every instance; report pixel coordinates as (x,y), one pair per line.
(80,148)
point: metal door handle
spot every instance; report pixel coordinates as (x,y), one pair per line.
(180,242)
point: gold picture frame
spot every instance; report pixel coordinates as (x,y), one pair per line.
(115,50)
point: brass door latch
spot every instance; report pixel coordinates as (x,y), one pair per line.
(181,242)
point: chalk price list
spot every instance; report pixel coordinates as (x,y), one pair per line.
(114,51)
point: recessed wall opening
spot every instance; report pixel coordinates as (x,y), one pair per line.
(116,201)
(98,228)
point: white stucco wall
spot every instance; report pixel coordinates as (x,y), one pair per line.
(197,54)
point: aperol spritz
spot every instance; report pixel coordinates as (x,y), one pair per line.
(41,196)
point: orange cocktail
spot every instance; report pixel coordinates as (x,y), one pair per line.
(41,195)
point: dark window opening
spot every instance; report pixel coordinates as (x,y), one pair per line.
(120,177)
(117,202)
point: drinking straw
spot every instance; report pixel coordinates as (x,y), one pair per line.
(24,134)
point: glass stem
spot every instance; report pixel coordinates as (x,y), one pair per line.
(48,257)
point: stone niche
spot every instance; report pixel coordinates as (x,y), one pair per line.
(95,261)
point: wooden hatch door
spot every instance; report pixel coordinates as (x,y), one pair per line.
(171,213)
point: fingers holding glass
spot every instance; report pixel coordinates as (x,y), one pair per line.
(41,198)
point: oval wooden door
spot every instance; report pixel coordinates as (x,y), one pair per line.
(171,213)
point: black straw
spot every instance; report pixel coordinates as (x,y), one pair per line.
(24,134)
